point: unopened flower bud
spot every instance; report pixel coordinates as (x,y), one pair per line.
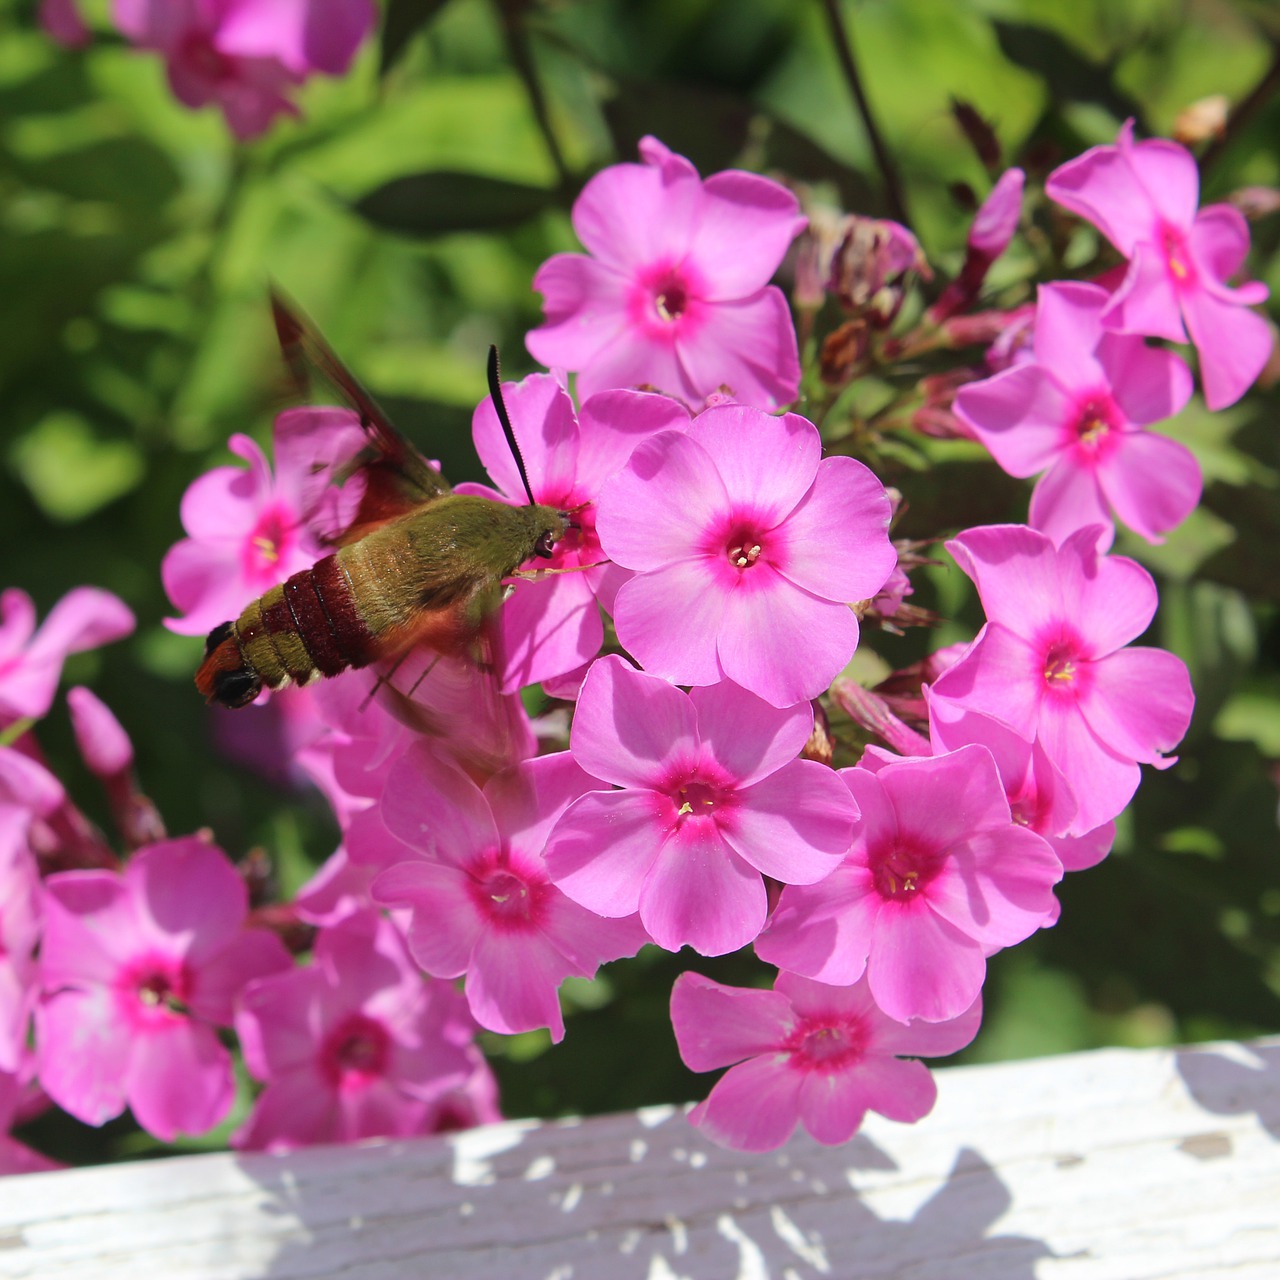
(102,741)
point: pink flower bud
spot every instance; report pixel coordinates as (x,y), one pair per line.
(60,20)
(997,219)
(102,741)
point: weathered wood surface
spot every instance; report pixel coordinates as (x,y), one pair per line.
(1112,1165)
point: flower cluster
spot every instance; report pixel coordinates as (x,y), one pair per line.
(244,56)
(689,633)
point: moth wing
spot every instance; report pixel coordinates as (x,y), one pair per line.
(455,697)
(393,477)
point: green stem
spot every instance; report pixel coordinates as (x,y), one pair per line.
(893,188)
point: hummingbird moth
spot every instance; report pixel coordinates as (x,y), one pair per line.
(416,566)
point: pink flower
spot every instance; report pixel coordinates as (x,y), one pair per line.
(1052,661)
(27,792)
(937,878)
(246,531)
(713,799)
(31,661)
(1076,412)
(806,1053)
(138,970)
(246,55)
(15,1157)
(61,21)
(353,1046)
(103,743)
(1039,797)
(1142,196)
(483,904)
(676,294)
(748,549)
(552,626)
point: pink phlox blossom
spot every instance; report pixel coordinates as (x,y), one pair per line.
(712,799)
(471,1103)
(138,971)
(552,626)
(62,21)
(937,878)
(245,533)
(356,1045)
(1038,794)
(246,55)
(31,660)
(805,1053)
(749,548)
(1076,411)
(1143,197)
(16,1157)
(1055,661)
(483,904)
(675,292)
(27,792)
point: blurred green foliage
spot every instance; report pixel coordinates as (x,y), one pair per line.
(407,212)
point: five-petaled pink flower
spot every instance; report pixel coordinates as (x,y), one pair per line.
(1055,662)
(1143,197)
(937,878)
(138,971)
(246,55)
(1076,411)
(552,626)
(483,903)
(355,1045)
(249,530)
(31,661)
(805,1053)
(675,294)
(749,547)
(713,798)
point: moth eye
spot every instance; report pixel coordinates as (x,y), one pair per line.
(543,547)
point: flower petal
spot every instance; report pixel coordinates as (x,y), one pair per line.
(1153,483)
(716,1026)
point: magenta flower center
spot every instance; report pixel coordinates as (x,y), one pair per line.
(664,300)
(744,548)
(1177,256)
(827,1044)
(154,989)
(1060,665)
(1094,420)
(356,1052)
(697,800)
(900,871)
(509,896)
(580,547)
(270,541)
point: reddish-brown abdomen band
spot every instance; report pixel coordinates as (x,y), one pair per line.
(351,636)
(314,624)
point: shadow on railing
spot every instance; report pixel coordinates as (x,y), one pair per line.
(1235,1082)
(631,1198)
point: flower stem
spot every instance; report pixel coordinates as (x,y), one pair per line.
(893,190)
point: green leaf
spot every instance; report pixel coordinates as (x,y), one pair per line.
(433,204)
(405,18)
(1069,76)
(71,473)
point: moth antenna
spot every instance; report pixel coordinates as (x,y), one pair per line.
(500,407)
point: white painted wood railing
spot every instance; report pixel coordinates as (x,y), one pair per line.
(1115,1164)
